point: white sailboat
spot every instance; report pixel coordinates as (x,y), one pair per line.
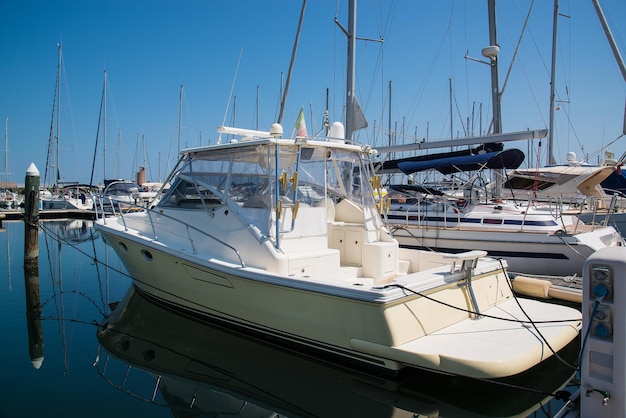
(70,196)
(9,199)
(532,238)
(537,237)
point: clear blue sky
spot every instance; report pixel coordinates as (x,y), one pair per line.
(149,48)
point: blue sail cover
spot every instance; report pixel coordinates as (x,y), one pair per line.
(615,182)
(508,159)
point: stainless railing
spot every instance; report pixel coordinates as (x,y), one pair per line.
(119,210)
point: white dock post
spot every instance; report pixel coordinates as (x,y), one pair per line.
(603,362)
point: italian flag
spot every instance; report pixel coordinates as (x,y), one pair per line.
(301,125)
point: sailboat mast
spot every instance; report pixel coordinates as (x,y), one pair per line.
(180,116)
(451,111)
(610,38)
(58,127)
(550,157)
(495,82)
(104,127)
(256,113)
(6,152)
(293,59)
(389,121)
(351,72)
(492,53)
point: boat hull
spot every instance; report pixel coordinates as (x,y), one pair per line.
(195,361)
(525,252)
(374,329)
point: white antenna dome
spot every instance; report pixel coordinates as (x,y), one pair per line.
(491,51)
(337,131)
(570,157)
(276,130)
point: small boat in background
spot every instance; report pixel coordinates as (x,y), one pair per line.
(10,199)
(69,197)
(119,195)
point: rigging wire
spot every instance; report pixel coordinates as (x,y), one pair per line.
(230,94)
(412,109)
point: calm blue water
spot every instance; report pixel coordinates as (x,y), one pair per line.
(150,361)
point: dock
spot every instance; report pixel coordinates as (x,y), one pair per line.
(49,214)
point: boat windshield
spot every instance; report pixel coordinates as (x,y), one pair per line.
(250,176)
(121,188)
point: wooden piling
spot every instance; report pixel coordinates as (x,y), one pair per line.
(31,266)
(33,314)
(31,217)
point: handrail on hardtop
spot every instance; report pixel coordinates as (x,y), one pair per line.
(149,211)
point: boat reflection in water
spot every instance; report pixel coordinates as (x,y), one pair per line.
(197,367)
(72,231)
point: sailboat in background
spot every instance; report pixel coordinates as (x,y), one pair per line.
(596,193)
(72,196)
(9,199)
(117,194)
(474,213)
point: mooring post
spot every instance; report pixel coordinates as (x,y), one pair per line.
(31,217)
(33,314)
(31,266)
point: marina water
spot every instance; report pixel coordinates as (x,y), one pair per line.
(57,361)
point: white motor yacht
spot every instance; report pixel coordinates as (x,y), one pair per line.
(283,238)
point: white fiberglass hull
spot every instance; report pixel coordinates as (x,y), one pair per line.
(193,363)
(617,219)
(525,252)
(67,203)
(382,327)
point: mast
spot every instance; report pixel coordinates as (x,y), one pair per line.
(451,111)
(180,116)
(293,59)
(491,52)
(351,72)
(389,122)
(58,127)
(104,127)
(257,109)
(6,152)
(609,37)
(95,151)
(550,157)
(495,82)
